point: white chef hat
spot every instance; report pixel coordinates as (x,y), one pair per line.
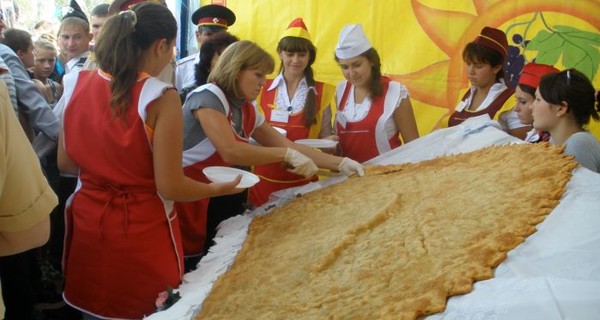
(352,42)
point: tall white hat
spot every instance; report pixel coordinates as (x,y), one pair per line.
(352,42)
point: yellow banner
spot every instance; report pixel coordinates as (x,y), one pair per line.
(420,41)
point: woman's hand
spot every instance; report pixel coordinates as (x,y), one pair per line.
(300,164)
(225,188)
(349,167)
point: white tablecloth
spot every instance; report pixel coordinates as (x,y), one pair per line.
(554,274)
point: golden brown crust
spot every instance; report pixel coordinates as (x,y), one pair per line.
(395,243)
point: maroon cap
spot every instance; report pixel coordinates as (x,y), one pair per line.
(494,39)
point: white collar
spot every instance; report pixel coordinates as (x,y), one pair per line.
(73,62)
(495,90)
(280,81)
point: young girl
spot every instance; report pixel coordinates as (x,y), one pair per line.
(45,60)
(123,244)
(484,58)
(219,120)
(564,103)
(525,95)
(295,102)
(374,111)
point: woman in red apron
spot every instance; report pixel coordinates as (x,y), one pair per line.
(293,101)
(121,136)
(373,111)
(219,119)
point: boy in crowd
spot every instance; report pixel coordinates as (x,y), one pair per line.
(74,38)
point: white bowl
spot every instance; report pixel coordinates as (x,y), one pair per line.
(225,174)
(280,130)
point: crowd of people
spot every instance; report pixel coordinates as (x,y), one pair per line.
(105,140)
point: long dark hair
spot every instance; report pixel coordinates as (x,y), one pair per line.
(574,88)
(123,40)
(474,52)
(297,44)
(213,45)
(375,87)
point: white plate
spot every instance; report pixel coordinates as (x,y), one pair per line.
(282,131)
(317,143)
(224,174)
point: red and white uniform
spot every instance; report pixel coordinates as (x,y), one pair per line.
(496,102)
(368,129)
(192,215)
(123,245)
(274,101)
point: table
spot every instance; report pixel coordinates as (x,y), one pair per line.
(554,274)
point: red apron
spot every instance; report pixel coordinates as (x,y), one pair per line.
(192,215)
(272,176)
(122,245)
(358,139)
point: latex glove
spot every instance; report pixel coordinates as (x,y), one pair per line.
(349,167)
(300,164)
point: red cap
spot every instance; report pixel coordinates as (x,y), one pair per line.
(532,73)
(121,5)
(297,29)
(494,39)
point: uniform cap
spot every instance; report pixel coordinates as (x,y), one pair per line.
(122,5)
(297,29)
(74,10)
(213,15)
(532,73)
(352,42)
(494,39)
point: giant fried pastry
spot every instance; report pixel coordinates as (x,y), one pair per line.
(394,244)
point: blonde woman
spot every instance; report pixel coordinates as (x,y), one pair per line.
(219,119)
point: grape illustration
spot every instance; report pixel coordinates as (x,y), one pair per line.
(517,39)
(514,62)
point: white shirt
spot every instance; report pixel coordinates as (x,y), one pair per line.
(282,100)
(532,136)
(185,71)
(76,64)
(495,90)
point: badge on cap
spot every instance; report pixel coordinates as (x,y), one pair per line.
(213,15)
(74,10)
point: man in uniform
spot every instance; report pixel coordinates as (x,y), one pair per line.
(210,19)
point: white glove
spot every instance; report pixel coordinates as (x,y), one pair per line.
(300,164)
(349,167)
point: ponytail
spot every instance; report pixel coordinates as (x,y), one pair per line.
(123,40)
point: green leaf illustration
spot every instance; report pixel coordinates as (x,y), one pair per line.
(578,49)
